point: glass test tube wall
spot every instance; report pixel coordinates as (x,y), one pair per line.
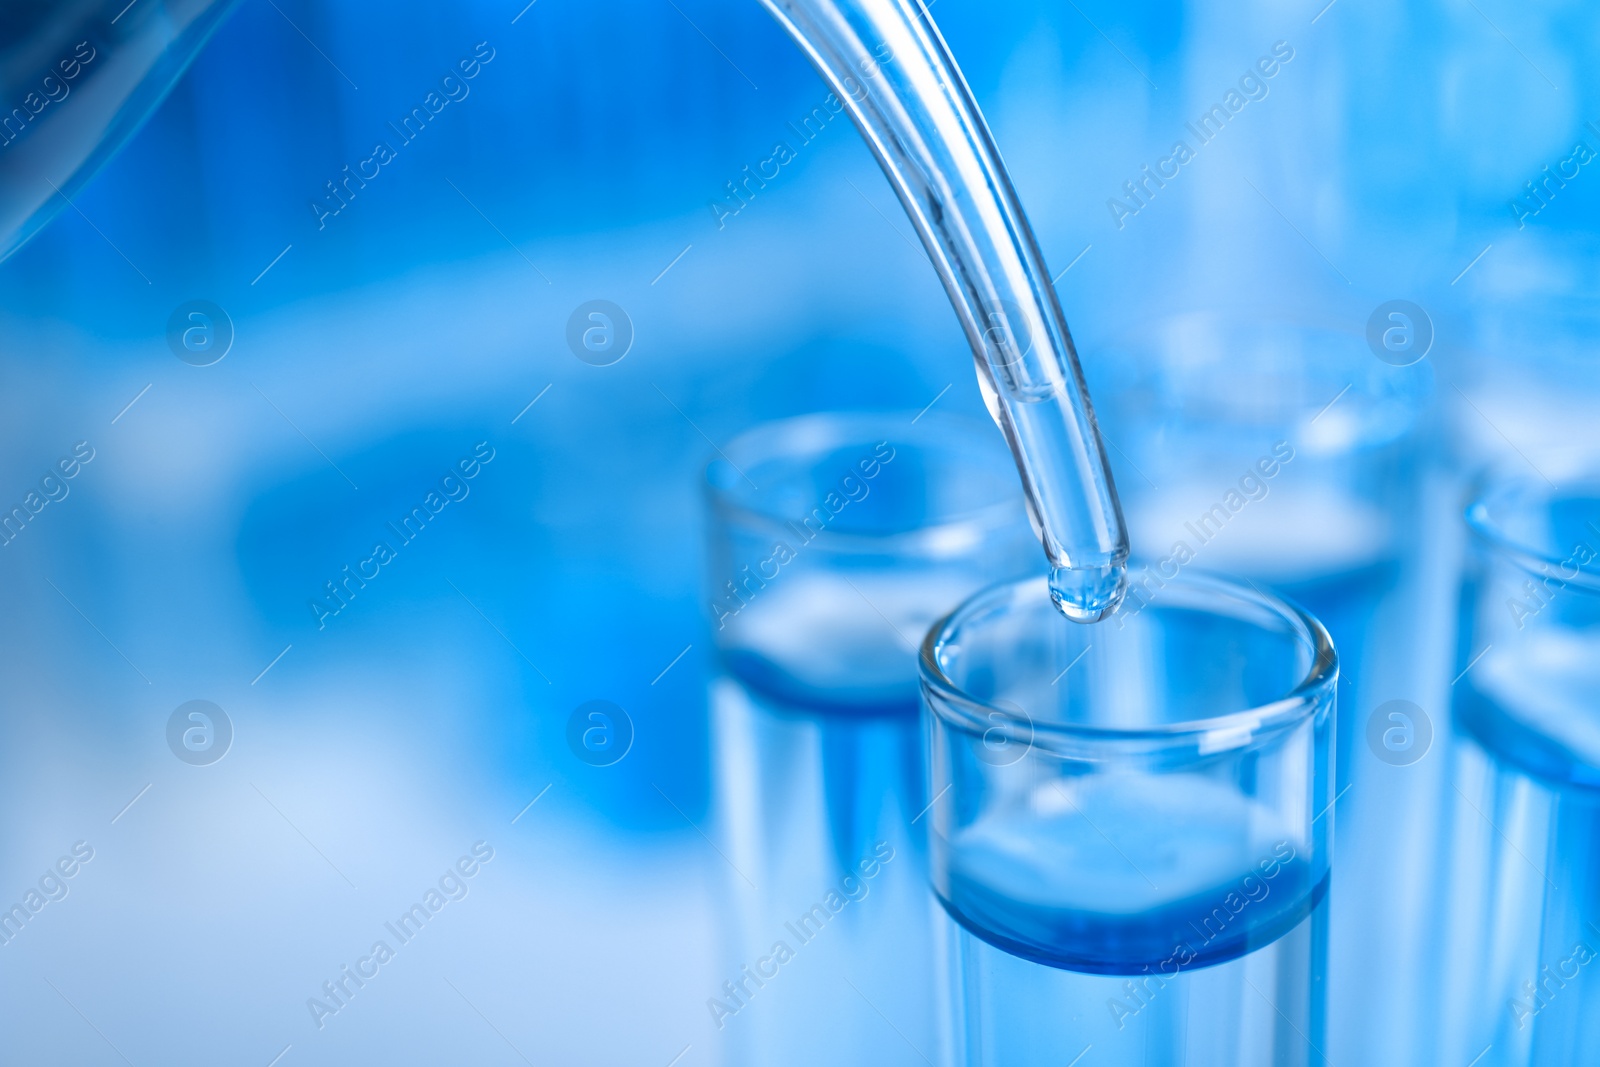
(835,541)
(1131,827)
(1289,456)
(1521,900)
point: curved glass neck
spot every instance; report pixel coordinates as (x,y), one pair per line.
(887,62)
(96,70)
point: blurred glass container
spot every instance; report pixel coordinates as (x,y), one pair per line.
(826,880)
(1304,438)
(1299,459)
(1288,455)
(1522,894)
(78,79)
(864,529)
(837,539)
(1529,385)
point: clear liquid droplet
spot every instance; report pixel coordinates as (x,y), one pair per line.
(1088,594)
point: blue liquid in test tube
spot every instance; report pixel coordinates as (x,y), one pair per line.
(1130,828)
(1520,938)
(1168,867)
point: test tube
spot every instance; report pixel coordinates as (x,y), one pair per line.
(835,541)
(1131,826)
(1285,452)
(838,538)
(1520,944)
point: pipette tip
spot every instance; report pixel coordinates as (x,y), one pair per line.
(1088,594)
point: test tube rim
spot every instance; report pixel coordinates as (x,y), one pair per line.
(733,509)
(1498,482)
(1249,726)
(1143,352)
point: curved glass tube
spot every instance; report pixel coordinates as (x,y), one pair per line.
(78,79)
(888,64)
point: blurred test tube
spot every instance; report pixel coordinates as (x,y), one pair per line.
(1296,458)
(835,542)
(1520,901)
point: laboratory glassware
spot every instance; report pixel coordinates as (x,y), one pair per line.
(1131,826)
(1522,895)
(889,66)
(1285,452)
(835,540)
(78,80)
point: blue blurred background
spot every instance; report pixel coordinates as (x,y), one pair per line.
(376,347)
